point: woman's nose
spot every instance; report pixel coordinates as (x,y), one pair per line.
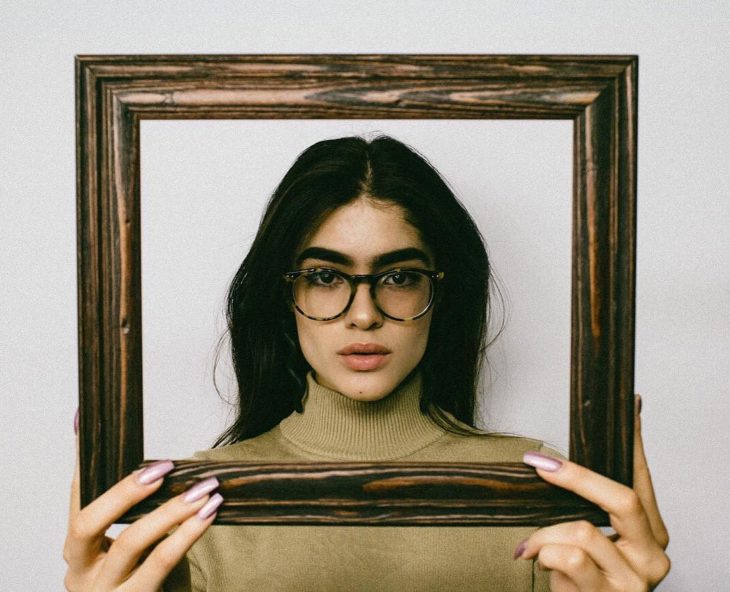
(363,313)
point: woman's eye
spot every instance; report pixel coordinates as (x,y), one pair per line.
(324,278)
(400,279)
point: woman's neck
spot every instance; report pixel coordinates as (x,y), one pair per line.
(337,427)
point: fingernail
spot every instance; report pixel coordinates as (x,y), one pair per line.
(154,472)
(211,506)
(520,549)
(200,489)
(540,461)
(76,422)
(638,404)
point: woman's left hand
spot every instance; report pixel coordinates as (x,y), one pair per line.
(580,556)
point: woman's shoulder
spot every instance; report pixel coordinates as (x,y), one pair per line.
(482,447)
(469,444)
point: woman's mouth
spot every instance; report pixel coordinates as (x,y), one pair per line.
(364,356)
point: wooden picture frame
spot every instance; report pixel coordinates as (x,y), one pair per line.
(598,93)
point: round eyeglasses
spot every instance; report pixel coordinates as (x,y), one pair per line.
(323,294)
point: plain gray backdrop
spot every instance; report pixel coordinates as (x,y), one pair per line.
(683,280)
(203,188)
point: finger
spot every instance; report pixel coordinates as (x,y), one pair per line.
(75,497)
(586,537)
(643,484)
(573,563)
(129,547)
(87,528)
(623,505)
(75,500)
(170,552)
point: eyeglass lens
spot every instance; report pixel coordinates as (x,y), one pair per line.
(325,294)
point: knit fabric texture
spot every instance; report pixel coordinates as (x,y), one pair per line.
(333,427)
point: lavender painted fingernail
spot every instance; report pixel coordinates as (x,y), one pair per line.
(210,507)
(154,472)
(520,549)
(200,489)
(76,422)
(540,461)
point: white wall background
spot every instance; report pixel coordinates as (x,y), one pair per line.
(203,188)
(683,297)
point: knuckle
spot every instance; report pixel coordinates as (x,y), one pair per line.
(70,581)
(126,543)
(162,559)
(654,567)
(567,559)
(78,529)
(584,532)
(574,559)
(629,503)
(659,568)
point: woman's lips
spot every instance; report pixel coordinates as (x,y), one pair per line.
(364,361)
(364,356)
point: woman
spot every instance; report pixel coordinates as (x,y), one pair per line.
(357,325)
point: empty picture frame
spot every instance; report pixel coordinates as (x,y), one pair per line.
(598,93)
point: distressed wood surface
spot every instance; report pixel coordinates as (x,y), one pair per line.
(377,494)
(598,93)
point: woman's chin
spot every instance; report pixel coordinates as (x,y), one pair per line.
(362,386)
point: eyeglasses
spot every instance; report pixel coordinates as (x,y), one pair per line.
(323,294)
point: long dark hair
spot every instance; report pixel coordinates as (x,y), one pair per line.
(269,366)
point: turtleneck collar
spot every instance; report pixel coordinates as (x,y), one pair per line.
(335,426)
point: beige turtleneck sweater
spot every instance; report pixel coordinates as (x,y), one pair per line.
(333,427)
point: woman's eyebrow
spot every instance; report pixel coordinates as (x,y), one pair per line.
(388,258)
(324,255)
(401,255)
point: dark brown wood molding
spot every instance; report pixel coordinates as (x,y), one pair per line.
(389,494)
(599,93)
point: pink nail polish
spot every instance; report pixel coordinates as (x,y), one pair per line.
(210,507)
(540,461)
(520,549)
(200,489)
(154,472)
(76,422)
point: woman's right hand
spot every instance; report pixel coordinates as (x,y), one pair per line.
(135,560)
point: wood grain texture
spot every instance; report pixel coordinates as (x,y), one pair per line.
(382,494)
(598,93)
